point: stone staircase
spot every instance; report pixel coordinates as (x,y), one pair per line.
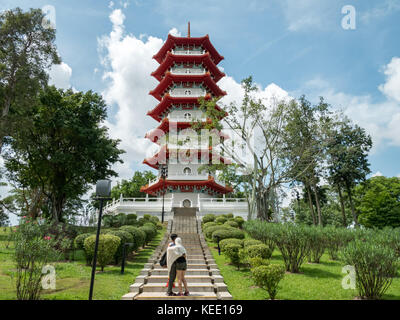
(202,276)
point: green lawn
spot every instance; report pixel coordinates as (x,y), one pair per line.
(73,278)
(315,282)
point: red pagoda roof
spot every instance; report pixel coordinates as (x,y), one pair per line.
(168,100)
(172,41)
(171,78)
(163,155)
(191,184)
(205,59)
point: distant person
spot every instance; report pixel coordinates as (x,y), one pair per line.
(176,259)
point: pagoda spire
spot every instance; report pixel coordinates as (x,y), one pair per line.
(189,29)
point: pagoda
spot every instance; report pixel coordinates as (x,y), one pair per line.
(187,71)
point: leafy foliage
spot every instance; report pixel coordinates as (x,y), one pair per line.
(268,277)
(108,246)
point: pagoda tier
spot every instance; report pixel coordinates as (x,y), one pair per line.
(203,42)
(209,186)
(168,101)
(162,156)
(204,59)
(171,79)
(165,125)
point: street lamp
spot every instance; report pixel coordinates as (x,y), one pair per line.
(164,174)
(103,192)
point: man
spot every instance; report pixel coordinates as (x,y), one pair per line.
(172,273)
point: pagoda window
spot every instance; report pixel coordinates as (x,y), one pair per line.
(187,171)
(187,116)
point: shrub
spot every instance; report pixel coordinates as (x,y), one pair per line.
(131,219)
(138,236)
(108,245)
(225,242)
(232,224)
(33,250)
(263,231)
(150,232)
(229,215)
(257,261)
(232,252)
(375,266)
(239,220)
(209,224)
(227,233)
(251,242)
(317,243)
(390,238)
(78,242)
(221,220)
(208,218)
(209,231)
(335,239)
(125,237)
(258,250)
(268,277)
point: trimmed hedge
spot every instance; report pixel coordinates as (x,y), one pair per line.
(221,220)
(225,242)
(209,224)
(208,218)
(232,224)
(258,250)
(229,215)
(227,233)
(108,245)
(150,232)
(251,242)
(268,277)
(240,221)
(209,231)
(139,236)
(125,237)
(232,252)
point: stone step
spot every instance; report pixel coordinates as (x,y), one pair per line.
(189,279)
(189,272)
(192,286)
(195,261)
(163,296)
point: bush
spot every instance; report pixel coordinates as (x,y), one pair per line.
(232,224)
(239,220)
(250,242)
(221,234)
(131,219)
(108,245)
(317,243)
(210,224)
(225,242)
(125,237)
(221,220)
(150,232)
(209,231)
(138,236)
(335,239)
(258,250)
(229,215)
(375,266)
(257,261)
(232,252)
(263,231)
(78,242)
(208,218)
(268,277)
(390,238)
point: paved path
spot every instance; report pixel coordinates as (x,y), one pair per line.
(203,277)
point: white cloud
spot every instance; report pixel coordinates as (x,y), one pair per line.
(391,88)
(60,75)
(377,174)
(175,32)
(380,119)
(383,9)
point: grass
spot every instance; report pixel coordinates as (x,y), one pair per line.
(73,277)
(321,281)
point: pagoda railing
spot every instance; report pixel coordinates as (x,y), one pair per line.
(183,92)
(187,71)
(185,119)
(188,52)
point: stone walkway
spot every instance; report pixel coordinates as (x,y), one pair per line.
(203,276)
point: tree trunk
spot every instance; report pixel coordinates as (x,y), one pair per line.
(317,203)
(310,203)
(353,211)
(342,206)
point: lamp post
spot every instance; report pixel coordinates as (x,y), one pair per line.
(103,192)
(164,173)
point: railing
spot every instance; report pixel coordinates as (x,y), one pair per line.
(188,71)
(186,119)
(223,200)
(183,92)
(188,52)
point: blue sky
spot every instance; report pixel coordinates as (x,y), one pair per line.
(298,46)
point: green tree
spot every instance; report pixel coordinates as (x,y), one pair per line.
(66,149)
(27,51)
(378,202)
(131,188)
(348,164)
